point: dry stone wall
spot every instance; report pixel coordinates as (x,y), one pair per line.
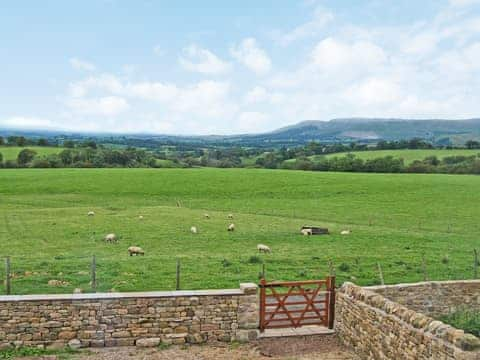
(118,319)
(434,298)
(379,328)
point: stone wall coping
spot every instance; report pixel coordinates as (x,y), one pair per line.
(422,283)
(415,319)
(121,295)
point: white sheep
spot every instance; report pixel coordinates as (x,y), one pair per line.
(231,227)
(206,216)
(263,248)
(111,238)
(140,217)
(91,213)
(345,232)
(135,250)
(230,216)
(306,232)
(193,230)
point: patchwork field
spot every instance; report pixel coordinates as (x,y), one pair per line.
(395,219)
(408,155)
(11,152)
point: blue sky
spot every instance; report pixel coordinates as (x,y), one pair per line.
(204,67)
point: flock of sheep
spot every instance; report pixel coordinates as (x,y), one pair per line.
(136,250)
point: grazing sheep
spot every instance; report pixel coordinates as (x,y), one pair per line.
(135,250)
(231,227)
(230,216)
(345,232)
(91,213)
(206,216)
(111,238)
(140,217)
(77,291)
(263,248)
(193,229)
(306,232)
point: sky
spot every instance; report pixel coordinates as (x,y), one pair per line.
(226,67)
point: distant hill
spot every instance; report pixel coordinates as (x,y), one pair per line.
(361,129)
(337,130)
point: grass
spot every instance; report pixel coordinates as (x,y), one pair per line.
(465,319)
(64,353)
(11,152)
(408,155)
(394,218)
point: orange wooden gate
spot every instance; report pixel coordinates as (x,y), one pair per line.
(297,303)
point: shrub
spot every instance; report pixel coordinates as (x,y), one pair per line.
(465,319)
(254,259)
(344,267)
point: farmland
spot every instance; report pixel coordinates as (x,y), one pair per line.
(11,152)
(409,155)
(395,219)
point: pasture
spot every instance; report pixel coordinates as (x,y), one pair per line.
(11,152)
(395,219)
(408,155)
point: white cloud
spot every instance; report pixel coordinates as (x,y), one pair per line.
(259,94)
(200,60)
(22,122)
(252,56)
(78,64)
(321,18)
(331,54)
(103,106)
(158,50)
(252,121)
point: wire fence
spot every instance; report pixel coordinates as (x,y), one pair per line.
(66,274)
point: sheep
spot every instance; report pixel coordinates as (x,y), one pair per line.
(306,232)
(193,229)
(140,217)
(263,248)
(230,216)
(206,216)
(135,250)
(231,227)
(345,232)
(111,238)
(91,213)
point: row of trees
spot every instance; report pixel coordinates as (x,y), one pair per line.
(82,157)
(389,164)
(22,141)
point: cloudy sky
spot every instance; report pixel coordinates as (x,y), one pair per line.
(204,67)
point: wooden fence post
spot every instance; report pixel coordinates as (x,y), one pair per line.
(177,286)
(380,274)
(263,270)
(262,304)
(424,268)
(94,273)
(8,288)
(331,268)
(331,301)
(475,264)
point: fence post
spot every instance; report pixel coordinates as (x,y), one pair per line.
(8,288)
(177,286)
(262,304)
(94,273)
(475,264)
(331,268)
(263,270)
(331,301)
(380,274)
(424,268)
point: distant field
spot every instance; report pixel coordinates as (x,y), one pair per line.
(408,155)
(394,218)
(11,152)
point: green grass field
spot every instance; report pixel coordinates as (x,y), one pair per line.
(394,218)
(11,152)
(409,156)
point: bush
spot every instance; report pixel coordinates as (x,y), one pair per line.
(465,319)
(254,259)
(344,267)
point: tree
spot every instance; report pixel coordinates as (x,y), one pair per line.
(66,157)
(25,156)
(1,159)
(42,142)
(21,141)
(472,144)
(68,144)
(2,141)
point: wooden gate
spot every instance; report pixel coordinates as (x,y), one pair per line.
(297,303)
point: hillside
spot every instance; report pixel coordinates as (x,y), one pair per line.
(11,152)
(442,132)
